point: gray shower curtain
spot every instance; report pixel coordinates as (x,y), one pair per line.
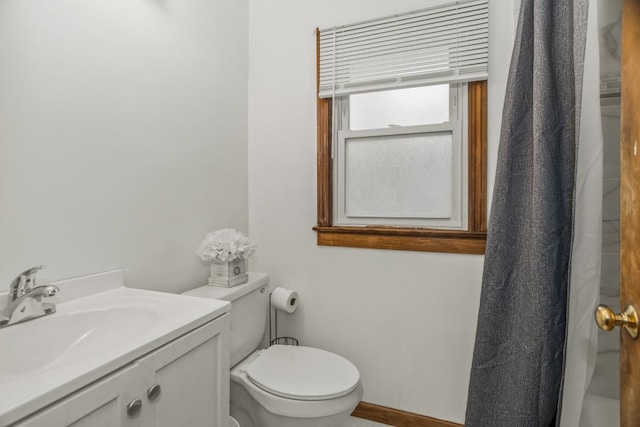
(516,376)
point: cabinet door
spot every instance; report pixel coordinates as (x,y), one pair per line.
(102,404)
(191,379)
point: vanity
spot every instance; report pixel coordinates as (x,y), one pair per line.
(117,356)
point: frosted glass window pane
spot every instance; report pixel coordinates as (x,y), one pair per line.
(401,107)
(399,176)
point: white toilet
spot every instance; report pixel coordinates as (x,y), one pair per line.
(282,386)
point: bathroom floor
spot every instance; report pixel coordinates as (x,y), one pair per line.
(359,422)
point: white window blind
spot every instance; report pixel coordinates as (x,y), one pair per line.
(448,43)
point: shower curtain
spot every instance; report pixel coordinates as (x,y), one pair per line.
(584,289)
(541,274)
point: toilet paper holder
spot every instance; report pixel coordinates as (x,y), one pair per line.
(278,340)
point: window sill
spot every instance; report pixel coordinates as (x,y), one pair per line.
(407,239)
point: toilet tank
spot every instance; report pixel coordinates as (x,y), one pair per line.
(249,312)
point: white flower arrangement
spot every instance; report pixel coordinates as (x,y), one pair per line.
(225,245)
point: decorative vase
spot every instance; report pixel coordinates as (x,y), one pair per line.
(228,274)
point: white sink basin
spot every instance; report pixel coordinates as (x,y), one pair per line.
(69,335)
(44,359)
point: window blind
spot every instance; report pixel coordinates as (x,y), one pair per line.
(448,43)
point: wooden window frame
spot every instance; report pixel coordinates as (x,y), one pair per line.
(470,241)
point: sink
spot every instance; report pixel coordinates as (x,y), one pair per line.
(70,334)
(99,326)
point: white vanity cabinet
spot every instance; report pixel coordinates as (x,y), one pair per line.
(182,383)
(98,405)
(187,380)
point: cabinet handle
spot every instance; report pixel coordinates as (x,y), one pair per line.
(134,407)
(153,392)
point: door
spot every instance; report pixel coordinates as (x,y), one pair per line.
(630,209)
(102,404)
(187,381)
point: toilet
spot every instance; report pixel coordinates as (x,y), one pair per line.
(281,386)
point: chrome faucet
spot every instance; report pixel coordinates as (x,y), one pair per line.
(24,301)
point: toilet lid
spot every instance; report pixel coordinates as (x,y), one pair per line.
(303,373)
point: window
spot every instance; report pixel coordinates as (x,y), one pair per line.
(399,158)
(402,153)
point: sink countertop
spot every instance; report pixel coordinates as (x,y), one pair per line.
(99,326)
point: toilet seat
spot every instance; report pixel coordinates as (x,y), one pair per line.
(286,407)
(303,373)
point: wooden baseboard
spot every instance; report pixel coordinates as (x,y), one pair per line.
(396,417)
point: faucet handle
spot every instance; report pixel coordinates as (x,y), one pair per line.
(32,271)
(30,274)
(24,282)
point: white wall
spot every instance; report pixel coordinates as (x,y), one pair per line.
(406,319)
(123,135)
(123,139)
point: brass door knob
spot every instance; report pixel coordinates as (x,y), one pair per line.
(628,319)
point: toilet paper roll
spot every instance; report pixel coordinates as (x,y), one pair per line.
(284,300)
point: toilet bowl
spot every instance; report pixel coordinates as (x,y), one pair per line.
(281,386)
(294,386)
